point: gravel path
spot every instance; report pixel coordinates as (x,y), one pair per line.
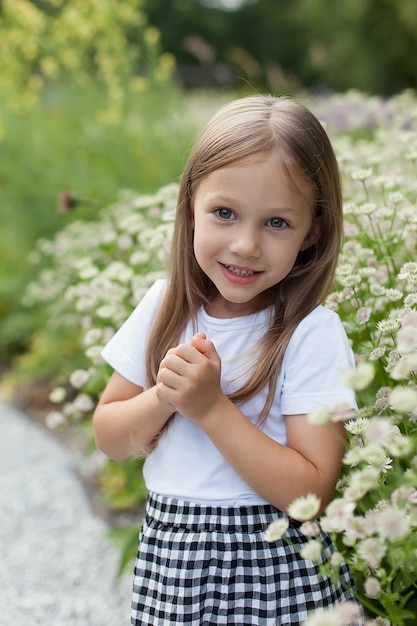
(56,565)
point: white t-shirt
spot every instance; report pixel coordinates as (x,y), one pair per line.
(186,464)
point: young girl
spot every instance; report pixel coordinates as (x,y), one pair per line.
(218,366)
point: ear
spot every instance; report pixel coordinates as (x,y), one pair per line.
(313,234)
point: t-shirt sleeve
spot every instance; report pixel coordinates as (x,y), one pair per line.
(125,351)
(317,355)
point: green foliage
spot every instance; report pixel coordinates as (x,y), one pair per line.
(80,84)
(125,538)
(368,45)
(78,40)
(122,484)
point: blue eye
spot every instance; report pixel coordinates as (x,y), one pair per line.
(224,214)
(277,222)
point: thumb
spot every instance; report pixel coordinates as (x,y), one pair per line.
(203,345)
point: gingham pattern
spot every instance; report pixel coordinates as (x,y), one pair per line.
(204,565)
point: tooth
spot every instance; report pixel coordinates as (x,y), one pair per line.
(239,272)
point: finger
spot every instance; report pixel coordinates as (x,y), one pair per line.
(187,352)
(168,378)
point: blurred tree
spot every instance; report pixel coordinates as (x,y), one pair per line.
(258,42)
(365,44)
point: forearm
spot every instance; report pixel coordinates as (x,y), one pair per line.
(276,472)
(124,428)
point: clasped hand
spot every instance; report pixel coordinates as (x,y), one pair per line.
(189,378)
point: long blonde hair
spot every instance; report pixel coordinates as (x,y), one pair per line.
(240,129)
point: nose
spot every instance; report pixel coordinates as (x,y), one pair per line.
(246,243)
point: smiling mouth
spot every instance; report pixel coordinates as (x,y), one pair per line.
(240,272)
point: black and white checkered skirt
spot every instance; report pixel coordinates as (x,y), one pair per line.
(204,565)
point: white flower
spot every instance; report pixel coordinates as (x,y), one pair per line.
(382,398)
(78,378)
(378,430)
(357,528)
(312,550)
(411,299)
(399,446)
(84,403)
(393,295)
(372,550)
(386,465)
(374,454)
(124,242)
(57,395)
(353,457)
(356,426)
(92,336)
(360,482)
(140,257)
(342,412)
(54,419)
(407,339)
(88,272)
(304,507)
(363,314)
(119,271)
(377,353)
(276,530)
(395,197)
(352,280)
(337,559)
(403,399)
(362,174)
(359,378)
(107,311)
(391,523)
(319,416)
(343,614)
(388,326)
(310,529)
(323,617)
(338,514)
(404,367)
(404,495)
(372,587)
(408,270)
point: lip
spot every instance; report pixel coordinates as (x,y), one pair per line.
(239,278)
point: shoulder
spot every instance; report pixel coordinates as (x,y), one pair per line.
(157,290)
(151,297)
(320,333)
(319,320)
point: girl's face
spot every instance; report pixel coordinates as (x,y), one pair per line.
(250,223)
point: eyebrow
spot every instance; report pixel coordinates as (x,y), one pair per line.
(228,200)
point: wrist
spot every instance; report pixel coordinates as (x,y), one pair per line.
(213,414)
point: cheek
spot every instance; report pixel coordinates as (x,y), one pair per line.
(205,245)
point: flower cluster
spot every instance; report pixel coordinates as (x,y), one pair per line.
(94,274)
(373,516)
